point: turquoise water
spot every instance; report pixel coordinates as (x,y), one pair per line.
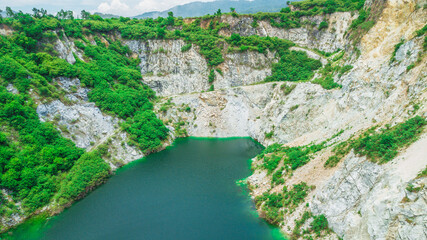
(187,191)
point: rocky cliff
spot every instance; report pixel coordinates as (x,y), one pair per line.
(360,199)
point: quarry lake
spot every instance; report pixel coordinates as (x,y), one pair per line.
(188,191)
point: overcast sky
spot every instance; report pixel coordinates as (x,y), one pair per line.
(120,7)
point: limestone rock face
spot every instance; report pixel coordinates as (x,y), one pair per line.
(329,40)
(363,200)
(66,49)
(85,124)
(169,71)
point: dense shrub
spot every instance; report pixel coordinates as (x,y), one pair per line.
(323,25)
(117,88)
(88,172)
(294,66)
(276,204)
(186,47)
(380,146)
(327,82)
(383,146)
(292,157)
(32,160)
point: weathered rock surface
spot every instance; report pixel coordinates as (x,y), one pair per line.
(85,124)
(169,71)
(329,40)
(364,200)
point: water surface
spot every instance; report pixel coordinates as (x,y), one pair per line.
(186,192)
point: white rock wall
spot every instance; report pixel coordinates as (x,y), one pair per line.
(168,71)
(85,124)
(328,40)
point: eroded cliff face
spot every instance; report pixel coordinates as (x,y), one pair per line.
(329,40)
(169,71)
(361,199)
(85,124)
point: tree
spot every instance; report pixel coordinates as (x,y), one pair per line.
(161,32)
(9,12)
(39,13)
(86,15)
(232,10)
(36,13)
(235,39)
(65,14)
(170,20)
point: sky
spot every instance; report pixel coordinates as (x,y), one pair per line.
(125,8)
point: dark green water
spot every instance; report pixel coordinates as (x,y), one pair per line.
(188,191)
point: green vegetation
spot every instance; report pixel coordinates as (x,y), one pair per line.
(291,157)
(327,82)
(422,32)
(396,47)
(327,72)
(293,108)
(413,189)
(383,146)
(292,19)
(319,224)
(338,56)
(269,135)
(340,151)
(186,48)
(345,69)
(410,67)
(211,77)
(319,227)
(117,89)
(166,105)
(275,205)
(88,172)
(114,78)
(36,163)
(423,173)
(323,25)
(287,89)
(328,6)
(33,155)
(180,131)
(277,177)
(364,22)
(380,145)
(294,66)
